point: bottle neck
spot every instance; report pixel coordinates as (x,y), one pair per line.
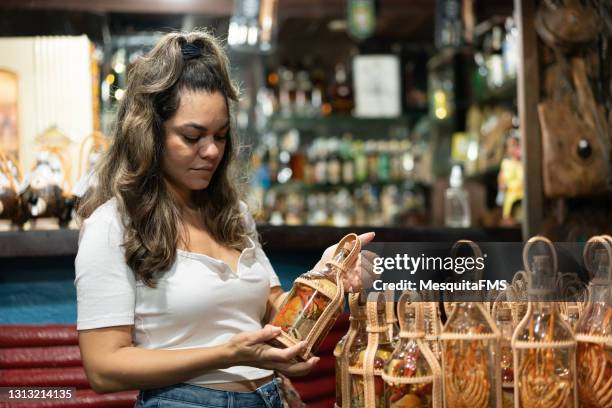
(384,335)
(600,292)
(340,256)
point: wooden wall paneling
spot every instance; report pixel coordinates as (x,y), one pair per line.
(527,99)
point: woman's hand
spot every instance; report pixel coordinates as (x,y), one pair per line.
(250,349)
(361,275)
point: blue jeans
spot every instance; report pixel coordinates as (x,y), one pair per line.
(191,396)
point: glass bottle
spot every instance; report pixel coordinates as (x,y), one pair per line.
(470,355)
(338,351)
(470,350)
(390,319)
(355,355)
(412,372)
(377,352)
(594,333)
(543,343)
(334,165)
(354,341)
(457,205)
(503,318)
(341,91)
(314,295)
(346,153)
(361,162)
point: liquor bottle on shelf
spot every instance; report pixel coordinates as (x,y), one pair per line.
(383,169)
(395,160)
(346,155)
(543,343)
(303,93)
(318,99)
(286,91)
(342,213)
(457,206)
(494,59)
(320,168)
(361,162)
(594,328)
(315,301)
(341,91)
(334,166)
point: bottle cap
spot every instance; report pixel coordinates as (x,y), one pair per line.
(456,177)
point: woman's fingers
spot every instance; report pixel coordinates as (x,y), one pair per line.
(286,354)
(260,336)
(367,268)
(366,237)
(297,369)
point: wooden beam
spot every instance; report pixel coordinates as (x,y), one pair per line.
(216,8)
(219,8)
(528,98)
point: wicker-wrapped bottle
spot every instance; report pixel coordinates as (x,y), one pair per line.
(594,330)
(412,374)
(315,301)
(391,318)
(355,339)
(353,392)
(502,315)
(433,328)
(366,366)
(470,354)
(543,343)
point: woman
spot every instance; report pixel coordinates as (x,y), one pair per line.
(173,288)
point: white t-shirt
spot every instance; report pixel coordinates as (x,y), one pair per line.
(199,301)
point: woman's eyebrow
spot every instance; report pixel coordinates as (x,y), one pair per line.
(202,128)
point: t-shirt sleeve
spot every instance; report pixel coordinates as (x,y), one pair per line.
(105,285)
(261,255)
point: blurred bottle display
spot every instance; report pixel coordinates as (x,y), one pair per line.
(338,181)
(338,171)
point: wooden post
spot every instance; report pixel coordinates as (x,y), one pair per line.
(528,97)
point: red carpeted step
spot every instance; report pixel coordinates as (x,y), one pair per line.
(86,399)
(37,336)
(44,377)
(40,357)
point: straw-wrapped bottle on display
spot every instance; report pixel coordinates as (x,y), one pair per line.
(366,367)
(594,329)
(502,315)
(470,355)
(412,374)
(354,341)
(543,343)
(315,301)
(390,317)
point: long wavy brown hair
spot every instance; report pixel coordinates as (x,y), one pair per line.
(131,169)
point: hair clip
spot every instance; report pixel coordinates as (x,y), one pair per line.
(191,51)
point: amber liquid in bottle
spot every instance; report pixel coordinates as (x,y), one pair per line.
(408,361)
(594,352)
(306,302)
